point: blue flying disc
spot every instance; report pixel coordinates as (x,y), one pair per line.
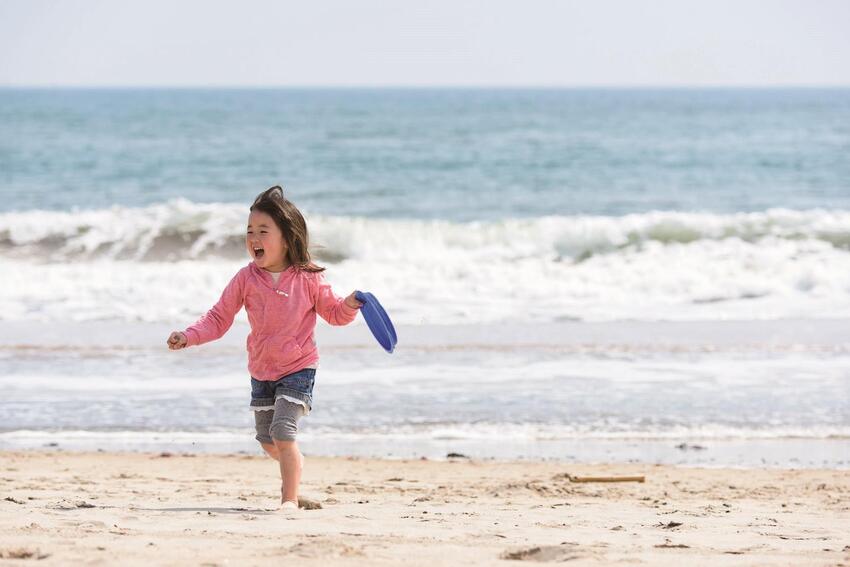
(377,320)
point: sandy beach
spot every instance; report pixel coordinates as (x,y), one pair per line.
(166,509)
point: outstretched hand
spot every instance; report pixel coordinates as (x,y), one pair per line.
(177,340)
(352,302)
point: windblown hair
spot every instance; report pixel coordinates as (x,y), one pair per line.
(291,223)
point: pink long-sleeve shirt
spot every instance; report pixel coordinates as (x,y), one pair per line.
(282,318)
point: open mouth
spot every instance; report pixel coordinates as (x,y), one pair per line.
(258,253)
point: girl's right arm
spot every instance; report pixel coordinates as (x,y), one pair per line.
(217,320)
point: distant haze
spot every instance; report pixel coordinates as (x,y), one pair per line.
(433,43)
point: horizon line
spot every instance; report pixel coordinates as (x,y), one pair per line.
(446,86)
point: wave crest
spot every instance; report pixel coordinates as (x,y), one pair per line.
(649,266)
(182,230)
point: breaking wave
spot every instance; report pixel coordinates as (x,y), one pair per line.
(170,261)
(181,230)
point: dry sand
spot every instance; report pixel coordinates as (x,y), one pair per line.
(61,508)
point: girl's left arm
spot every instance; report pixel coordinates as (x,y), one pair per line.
(332,308)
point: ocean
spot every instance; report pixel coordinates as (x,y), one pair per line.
(649,275)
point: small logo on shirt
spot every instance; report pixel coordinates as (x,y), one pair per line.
(281,292)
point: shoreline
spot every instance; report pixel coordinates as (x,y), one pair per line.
(791,453)
(132,508)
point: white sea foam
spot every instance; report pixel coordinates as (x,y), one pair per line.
(544,432)
(456,432)
(169,262)
(195,230)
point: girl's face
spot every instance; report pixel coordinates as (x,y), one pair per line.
(265,243)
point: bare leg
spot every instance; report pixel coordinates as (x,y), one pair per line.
(270,450)
(291,461)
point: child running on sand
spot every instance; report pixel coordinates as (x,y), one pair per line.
(282,291)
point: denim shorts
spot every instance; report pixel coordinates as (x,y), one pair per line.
(296,387)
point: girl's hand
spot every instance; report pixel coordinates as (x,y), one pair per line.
(352,302)
(177,340)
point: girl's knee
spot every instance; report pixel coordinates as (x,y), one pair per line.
(283,433)
(262,422)
(284,426)
(270,449)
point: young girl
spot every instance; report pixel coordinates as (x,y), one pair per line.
(282,291)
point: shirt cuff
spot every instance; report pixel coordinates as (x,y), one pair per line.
(348,310)
(192,337)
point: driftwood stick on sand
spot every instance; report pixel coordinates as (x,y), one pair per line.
(605,478)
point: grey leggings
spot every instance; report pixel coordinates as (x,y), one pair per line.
(281,423)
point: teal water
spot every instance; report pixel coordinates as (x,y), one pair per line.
(634,230)
(429,154)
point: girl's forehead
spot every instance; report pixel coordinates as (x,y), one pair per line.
(259,217)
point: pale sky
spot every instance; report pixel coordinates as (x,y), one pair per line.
(424,43)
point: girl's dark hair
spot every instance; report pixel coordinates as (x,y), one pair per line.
(291,223)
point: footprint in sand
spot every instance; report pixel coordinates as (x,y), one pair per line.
(309,503)
(542,553)
(22,553)
(323,548)
(65,504)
